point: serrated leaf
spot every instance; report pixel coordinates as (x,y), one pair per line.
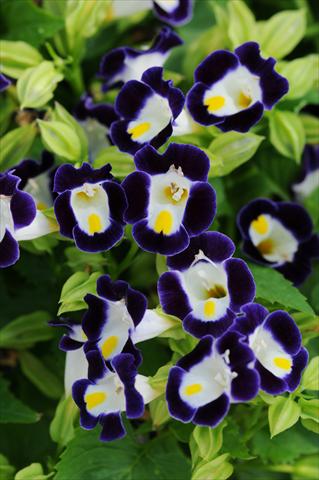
(287,134)
(275,288)
(25,331)
(13,410)
(87,458)
(282,414)
(282,32)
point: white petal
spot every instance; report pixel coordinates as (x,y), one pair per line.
(123,8)
(307,186)
(39,189)
(136,66)
(6,220)
(90,205)
(183,124)
(40,226)
(76,368)
(168,5)
(143,387)
(151,325)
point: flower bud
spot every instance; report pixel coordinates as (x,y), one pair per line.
(17,57)
(36,85)
(61,139)
(15,145)
(287,134)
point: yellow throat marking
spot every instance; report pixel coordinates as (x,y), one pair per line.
(260,225)
(214,103)
(282,362)
(139,130)
(244,100)
(209,308)
(193,389)
(94,399)
(164,222)
(109,346)
(95,224)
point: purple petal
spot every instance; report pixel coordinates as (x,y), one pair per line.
(246,385)
(284,330)
(154,242)
(176,406)
(136,186)
(241,285)
(23,209)
(213,413)
(113,427)
(172,297)
(99,242)
(9,250)
(198,328)
(200,209)
(64,214)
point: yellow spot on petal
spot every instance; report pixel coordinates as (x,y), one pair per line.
(244,100)
(214,103)
(41,206)
(164,222)
(139,130)
(193,389)
(109,346)
(260,225)
(266,247)
(94,399)
(282,362)
(209,308)
(95,224)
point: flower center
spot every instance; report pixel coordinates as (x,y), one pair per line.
(137,131)
(175,193)
(94,399)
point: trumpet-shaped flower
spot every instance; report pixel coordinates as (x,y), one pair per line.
(232,90)
(205,382)
(89,207)
(125,63)
(276,342)
(309,180)
(169,199)
(205,287)
(106,393)
(279,234)
(148,109)
(19,219)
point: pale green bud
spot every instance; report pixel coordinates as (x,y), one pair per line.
(310,377)
(206,441)
(217,469)
(311,127)
(159,411)
(16,57)
(32,472)
(61,427)
(61,139)
(15,145)
(282,414)
(299,74)
(36,85)
(242,24)
(287,134)
(230,150)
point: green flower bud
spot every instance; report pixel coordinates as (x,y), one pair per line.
(299,74)
(311,127)
(36,85)
(287,134)
(242,24)
(60,139)
(34,471)
(16,57)
(61,427)
(15,145)
(310,378)
(230,150)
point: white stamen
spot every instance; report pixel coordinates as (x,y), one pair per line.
(178,170)
(89,189)
(226,356)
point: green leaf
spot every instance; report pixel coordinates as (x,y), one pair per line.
(27,22)
(6,470)
(40,375)
(61,139)
(13,410)
(310,378)
(32,472)
(287,134)
(232,149)
(122,163)
(299,74)
(274,288)
(15,145)
(25,331)
(282,32)
(310,425)
(206,442)
(159,411)
(242,24)
(285,448)
(309,409)
(61,427)
(306,468)
(282,414)
(17,57)
(75,289)
(311,127)
(217,469)
(87,458)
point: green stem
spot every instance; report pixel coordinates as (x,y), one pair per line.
(75,78)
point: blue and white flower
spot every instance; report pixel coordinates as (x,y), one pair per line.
(205,287)
(169,198)
(232,90)
(280,235)
(148,109)
(276,342)
(309,181)
(205,382)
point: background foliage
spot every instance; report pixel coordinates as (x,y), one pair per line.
(270,438)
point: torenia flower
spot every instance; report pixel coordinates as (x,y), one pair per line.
(112,316)
(19,219)
(276,342)
(232,90)
(279,234)
(4,82)
(125,63)
(148,108)
(106,393)
(96,120)
(89,207)
(169,198)
(309,180)
(174,12)
(205,382)
(206,287)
